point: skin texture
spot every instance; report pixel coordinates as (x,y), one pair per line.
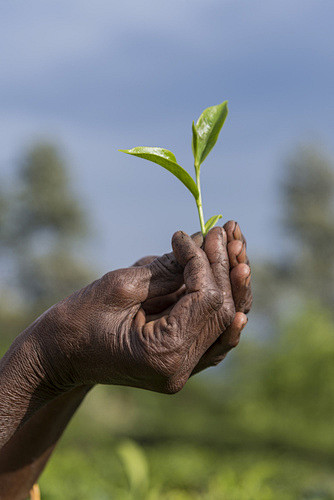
(151,326)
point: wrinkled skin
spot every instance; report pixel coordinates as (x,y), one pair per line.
(111,332)
(151,326)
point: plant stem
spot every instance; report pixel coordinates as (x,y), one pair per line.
(199,201)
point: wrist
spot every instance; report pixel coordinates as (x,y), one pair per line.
(28,376)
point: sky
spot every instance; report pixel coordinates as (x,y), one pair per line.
(94,77)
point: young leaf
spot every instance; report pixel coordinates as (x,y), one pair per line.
(167,160)
(194,141)
(212,222)
(206,131)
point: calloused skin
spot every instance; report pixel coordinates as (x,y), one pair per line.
(150,326)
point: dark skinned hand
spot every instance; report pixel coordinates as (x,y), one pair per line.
(240,278)
(153,325)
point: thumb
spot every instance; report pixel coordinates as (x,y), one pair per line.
(158,276)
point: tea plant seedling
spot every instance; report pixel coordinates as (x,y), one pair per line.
(205,135)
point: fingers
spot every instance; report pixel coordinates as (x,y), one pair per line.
(156,305)
(196,237)
(197,271)
(159,305)
(231,337)
(134,285)
(145,260)
(158,279)
(189,332)
(203,298)
(236,244)
(227,341)
(237,253)
(241,289)
(216,251)
(239,275)
(233,231)
(240,270)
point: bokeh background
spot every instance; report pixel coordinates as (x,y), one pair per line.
(80,80)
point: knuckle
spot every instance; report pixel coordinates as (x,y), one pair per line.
(229,313)
(119,286)
(215,298)
(144,261)
(167,264)
(241,305)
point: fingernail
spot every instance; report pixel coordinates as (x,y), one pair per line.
(237,232)
(244,324)
(247,280)
(223,232)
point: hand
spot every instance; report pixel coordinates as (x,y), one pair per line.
(106,332)
(240,276)
(151,326)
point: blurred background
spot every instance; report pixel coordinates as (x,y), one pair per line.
(82,79)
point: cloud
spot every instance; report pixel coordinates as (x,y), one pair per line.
(38,37)
(100,75)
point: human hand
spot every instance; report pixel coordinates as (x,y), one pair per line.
(151,326)
(240,276)
(110,331)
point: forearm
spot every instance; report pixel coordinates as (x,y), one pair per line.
(24,456)
(33,414)
(23,382)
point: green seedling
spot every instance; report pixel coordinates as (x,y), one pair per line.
(205,135)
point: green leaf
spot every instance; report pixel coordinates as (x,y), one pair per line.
(135,465)
(212,222)
(167,160)
(194,141)
(206,131)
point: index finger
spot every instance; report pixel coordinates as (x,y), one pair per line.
(190,315)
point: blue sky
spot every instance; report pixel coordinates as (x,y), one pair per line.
(98,76)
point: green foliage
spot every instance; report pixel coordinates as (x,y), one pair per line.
(305,270)
(136,467)
(176,472)
(205,135)
(49,277)
(261,429)
(308,194)
(46,199)
(206,131)
(305,368)
(42,224)
(212,222)
(167,160)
